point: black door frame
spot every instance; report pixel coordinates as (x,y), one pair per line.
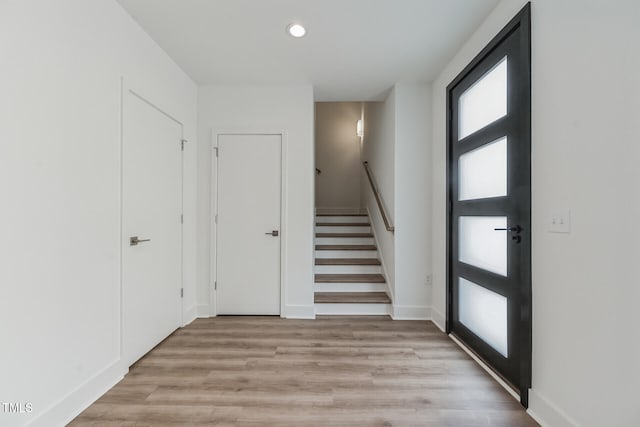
(519,375)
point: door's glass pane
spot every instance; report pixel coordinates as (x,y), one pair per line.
(482,246)
(485,313)
(483,171)
(484,102)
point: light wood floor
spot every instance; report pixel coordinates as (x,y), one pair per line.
(266,371)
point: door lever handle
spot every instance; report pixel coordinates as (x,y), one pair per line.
(133,241)
(515,229)
(274,233)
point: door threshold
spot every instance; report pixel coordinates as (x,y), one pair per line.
(508,387)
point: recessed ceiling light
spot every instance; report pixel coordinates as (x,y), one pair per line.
(296,30)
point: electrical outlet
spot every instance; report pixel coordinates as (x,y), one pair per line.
(560,222)
(427,282)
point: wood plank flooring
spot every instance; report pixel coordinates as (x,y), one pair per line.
(349,278)
(351,298)
(337,371)
(346,247)
(343,224)
(344,235)
(348,261)
(341,214)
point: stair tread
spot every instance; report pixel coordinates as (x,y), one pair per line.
(343,224)
(346,248)
(349,278)
(340,214)
(351,298)
(347,261)
(344,235)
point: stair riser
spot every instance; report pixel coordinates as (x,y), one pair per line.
(346,254)
(348,269)
(341,219)
(344,241)
(353,309)
(350,287)
(343,229)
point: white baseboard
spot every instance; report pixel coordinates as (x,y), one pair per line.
(203,311)
(546,413)
(70,406)
(411,312)
(189,315)
(300,312)
(438,319)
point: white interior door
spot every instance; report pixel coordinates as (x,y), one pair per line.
(151,209)
(248,227)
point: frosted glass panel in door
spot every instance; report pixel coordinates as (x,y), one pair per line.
(483,171)
(480,245)
(484,102)
(485,313)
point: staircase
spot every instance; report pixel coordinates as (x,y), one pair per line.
(348,272)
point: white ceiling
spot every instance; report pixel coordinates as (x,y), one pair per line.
(354,50)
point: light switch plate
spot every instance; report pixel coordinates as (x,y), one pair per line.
(560,222)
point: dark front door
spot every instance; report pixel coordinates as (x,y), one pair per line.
(489,148)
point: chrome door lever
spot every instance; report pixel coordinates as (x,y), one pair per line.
(274,233)
(133,241)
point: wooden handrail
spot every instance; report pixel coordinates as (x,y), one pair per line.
(383,212)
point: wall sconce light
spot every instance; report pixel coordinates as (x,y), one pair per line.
(359,129)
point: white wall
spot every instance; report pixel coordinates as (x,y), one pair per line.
(378,147)
(60,178)
(586,101)
(337,149)
(412,201)
(397,145)
(264,108)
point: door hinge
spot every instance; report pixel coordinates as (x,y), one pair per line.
(215,286)
(182,141)
(216,149)
(215,219)
(181,292)
(181,218)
